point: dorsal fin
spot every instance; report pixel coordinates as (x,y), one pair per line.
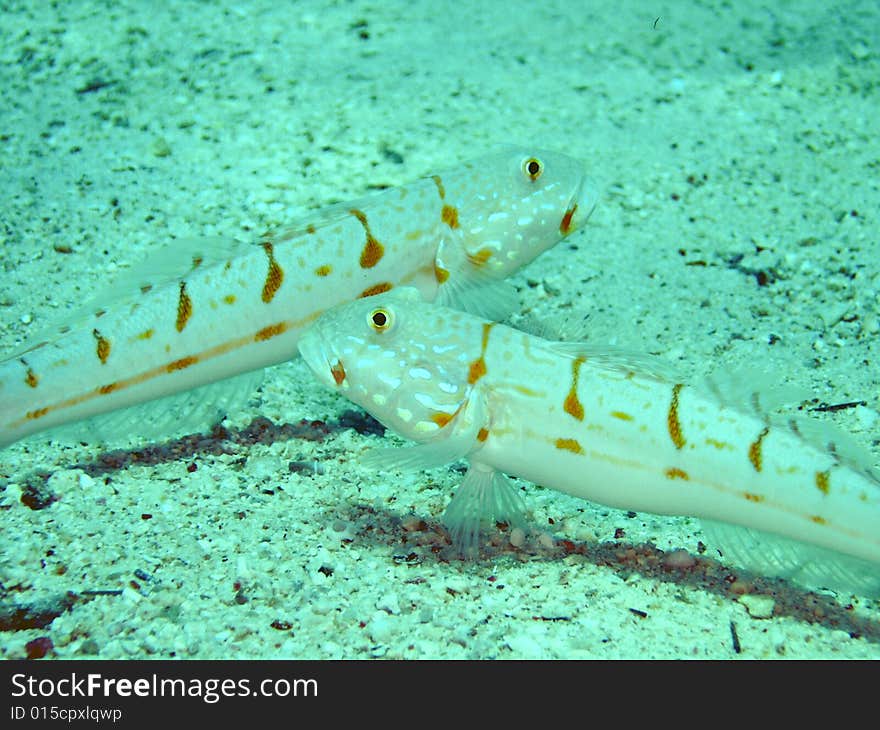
(829,438)
(614,358)
(317,219)
(755,392)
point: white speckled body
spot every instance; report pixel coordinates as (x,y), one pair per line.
(241,308)
(606,427)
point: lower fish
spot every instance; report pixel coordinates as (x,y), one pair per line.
(787,497)
(203,311)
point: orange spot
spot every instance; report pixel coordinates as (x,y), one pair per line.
(273,330)
(565,225)
(572,404)
(39,413)
(822,481)
(146,334)
(621,415)
(103,348)
(310,229)
(109,388)
(481,257)
(439,183)
(274,276)
(324,270)
(718,444)
(449,215)
(755,455)
(376,289)
(338,372)
(569,445)
(819,520)
(184,308)
(373,250)
(440,273)
(229,299)
(477,368)
(482,435)
(181,364)
(753,497)
(676,473)
(31,379)
(672,421)
(441,418)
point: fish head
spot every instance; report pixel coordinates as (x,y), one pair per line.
(399,358)
(513,206)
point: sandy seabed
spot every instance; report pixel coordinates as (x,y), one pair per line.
(735,146)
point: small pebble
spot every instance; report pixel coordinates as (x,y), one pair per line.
(160,147)
(867,417)
(679,560)
(38,648)
(758,606)
(381,628)
(389,603)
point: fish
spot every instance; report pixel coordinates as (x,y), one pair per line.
(222,308)
(788,497)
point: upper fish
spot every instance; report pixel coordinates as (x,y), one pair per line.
(221,309)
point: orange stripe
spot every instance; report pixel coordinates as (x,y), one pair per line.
(572,404)
(439,183)
(672,421)
(373,250)
(449,215)
(569,445)
(274,276)
(103,348)
(184,308)
(373,290)
(477,368)
(676,473)
(273,330)
(755,455)
(178,364)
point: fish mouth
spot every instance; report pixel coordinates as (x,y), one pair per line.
(327,368)
(580,206)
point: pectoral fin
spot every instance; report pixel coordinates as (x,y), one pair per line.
(456,440)
(485,496)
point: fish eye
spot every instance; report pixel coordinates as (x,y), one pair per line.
(533,168)
(380,319)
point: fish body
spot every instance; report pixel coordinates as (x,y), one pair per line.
(604,426)
(236,308)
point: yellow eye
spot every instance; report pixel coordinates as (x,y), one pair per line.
(380,319)
(533,168)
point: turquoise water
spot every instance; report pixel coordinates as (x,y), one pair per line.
(736,149)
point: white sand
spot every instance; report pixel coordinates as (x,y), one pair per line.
(723,133)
